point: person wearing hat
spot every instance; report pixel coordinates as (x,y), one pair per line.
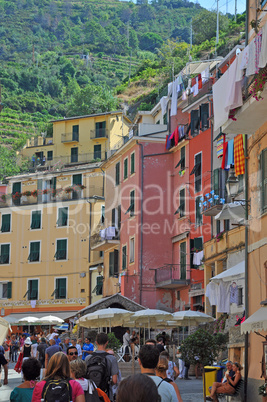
(26,350)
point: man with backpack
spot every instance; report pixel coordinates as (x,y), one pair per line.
(102,367)
(148,360)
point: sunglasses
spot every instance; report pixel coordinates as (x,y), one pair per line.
(73,353)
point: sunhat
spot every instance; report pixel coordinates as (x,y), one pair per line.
(28,341)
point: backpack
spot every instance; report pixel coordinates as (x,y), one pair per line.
(57,391)
(97,370)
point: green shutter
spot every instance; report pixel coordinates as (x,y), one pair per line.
(61,288)
(198,243)
(16,188)
(111,264)
(119,217)
(34,251)
(182,203)
(194,122)
(62,217)
(77,179)
(132,163)
(75,133)
(182,158)
(49,155)
(36,220)
(5,251)
(117,179)
(61,253)
(9,290)
(116,262)
(216,174)
(99,285)
(204,116)
(132,202)
(33,290)
(6,223)
(124,257)
(183,260)
(198,212)
(125,170)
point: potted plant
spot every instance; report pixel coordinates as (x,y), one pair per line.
(263,391)
(34,193)
(219,236)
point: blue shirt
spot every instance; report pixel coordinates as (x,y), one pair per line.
(89,347)
(57,341)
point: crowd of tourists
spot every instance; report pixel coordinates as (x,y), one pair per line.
(72,370)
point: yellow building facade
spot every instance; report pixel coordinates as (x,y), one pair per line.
(50,215)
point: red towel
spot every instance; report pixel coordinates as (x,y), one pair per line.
(199,81)
(224,159)
(17,368)
(194,81)
(176,136)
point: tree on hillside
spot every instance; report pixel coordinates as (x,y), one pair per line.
(204,25)
(150,41)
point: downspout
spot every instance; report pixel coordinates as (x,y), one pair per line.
(89,251)
(211,163)
(103,189)
(142,218)
(246,268)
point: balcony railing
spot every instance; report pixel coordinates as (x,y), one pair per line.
(70,137)
(100,133)
(206,88)
(211,204)
(171,276)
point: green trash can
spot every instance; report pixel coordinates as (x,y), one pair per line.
(210,373)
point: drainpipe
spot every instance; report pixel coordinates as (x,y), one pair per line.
(246,268)
(142,218)
(103,190)
(211,163)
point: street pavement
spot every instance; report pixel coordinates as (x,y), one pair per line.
(191,390)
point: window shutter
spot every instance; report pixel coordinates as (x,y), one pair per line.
(61,284)
(125,164)
(5,249)
(61,253)
(198,212)
(216,181)
(182,203)
(36,220)
(183,260)
(34,251)
(50,156)
(111,264)
(132,163)
(204,116)
(16,188)
(132,203)
(116,262)
(99,285)
(182,158)
(77,179)
(75,133)
(9,290)
(198,243)
(113,217)
(117,179)
(6,223)
(194,122)
(119,217)
(124,257)
(62,217)
(33,290)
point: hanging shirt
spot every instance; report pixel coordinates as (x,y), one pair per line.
(174,99)
(220,142)
(239,156)
(230,152)
(164,103)
(251,66)
(211,293)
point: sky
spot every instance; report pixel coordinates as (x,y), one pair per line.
(212,4)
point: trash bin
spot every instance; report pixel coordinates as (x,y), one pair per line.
(219,373)
(210,373)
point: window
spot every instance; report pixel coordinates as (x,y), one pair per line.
(74,155)
(178,295)
(183,260)
(63,216)
(32,289)
(117,173)
(132,163)
(5,290)
(61,251)
(97,152)
(182,158)
(124,257)
(36,220)
(240,296)
(34,255)
(199,220)
(75,133)
(76,181)
(218,227)
(5,254)
(204,116)
(16,189)
(263,162)
(102,213)
(6,223)
(100,129)
(119,217)
(114,263)
(197,169)
(99,285)
(226,225)
(132,202)
(49,155)
(196,245)
(132,250)
(125,168)
(182,203)
(101,254)
(61,288)
(195,120)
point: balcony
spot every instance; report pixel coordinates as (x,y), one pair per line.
(211,204)
(98,134)
(106,239)
(233,239)
(206,89)
(39,141)
(70,137)
(171,276)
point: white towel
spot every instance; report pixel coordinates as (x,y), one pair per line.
(164,103)
(174,99)
(33,303)
(263,53)
(251,67)
(110,231)
(244,58)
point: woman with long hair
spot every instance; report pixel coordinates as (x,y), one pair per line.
(137,388)
(58,378)
(161,371)
(229,387)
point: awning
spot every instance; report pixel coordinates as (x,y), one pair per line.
(236,272)
(256,322)
(14,318)
(234,210)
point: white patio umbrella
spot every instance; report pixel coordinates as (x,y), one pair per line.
(111,317)
(149,318)
(189,317)
(4,325)
(28,321)
(50,320)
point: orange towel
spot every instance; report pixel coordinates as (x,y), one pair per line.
(239,156)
